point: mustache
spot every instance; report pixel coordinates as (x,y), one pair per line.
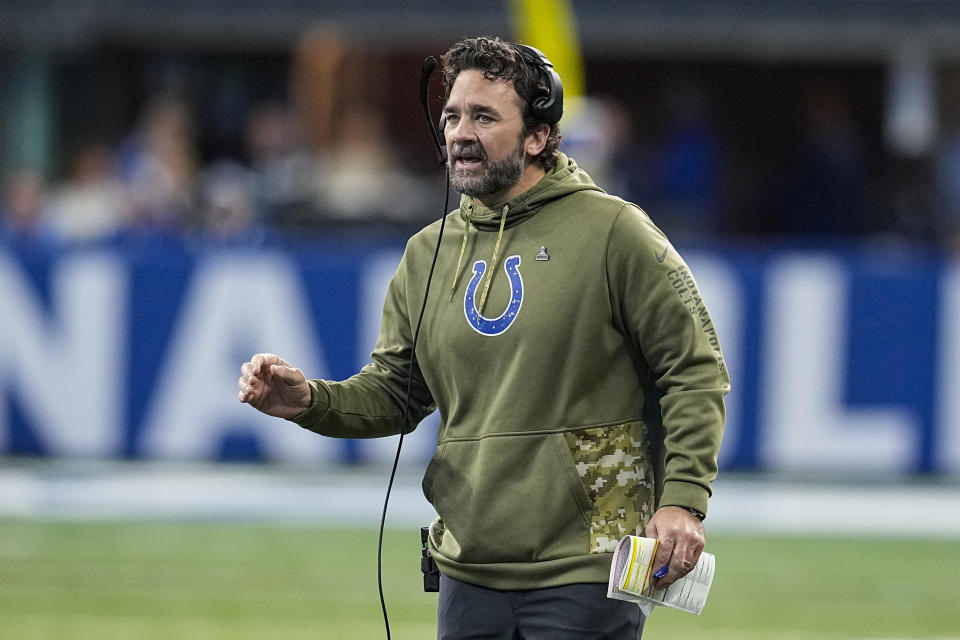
(473,149)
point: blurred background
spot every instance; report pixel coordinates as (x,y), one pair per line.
(185,184)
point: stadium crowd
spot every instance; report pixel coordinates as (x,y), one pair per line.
(308,163)
(154,183)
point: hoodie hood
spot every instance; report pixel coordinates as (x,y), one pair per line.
(565,178)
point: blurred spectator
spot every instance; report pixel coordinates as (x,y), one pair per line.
(675,174)
(322,80)
(909,197)
(688,166)
(92,203)
(364,178)
(825,187)
(337,88)
(597,132)
(228,205)
(23,221)
(946,167)
(284,171)
(947,175)
(159,164)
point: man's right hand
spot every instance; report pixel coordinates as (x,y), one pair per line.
(268,383)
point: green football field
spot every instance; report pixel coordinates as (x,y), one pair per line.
(238,581)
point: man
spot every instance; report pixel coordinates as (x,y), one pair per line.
(561,309)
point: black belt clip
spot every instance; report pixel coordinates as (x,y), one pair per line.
(428,566)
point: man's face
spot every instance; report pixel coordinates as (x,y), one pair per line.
(484,134)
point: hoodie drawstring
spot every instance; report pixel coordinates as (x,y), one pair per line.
(463,248)
(493,261)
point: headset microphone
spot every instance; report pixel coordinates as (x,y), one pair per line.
(426,70)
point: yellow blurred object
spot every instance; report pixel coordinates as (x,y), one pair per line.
(550,25)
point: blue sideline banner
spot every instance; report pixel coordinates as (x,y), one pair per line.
(842,360)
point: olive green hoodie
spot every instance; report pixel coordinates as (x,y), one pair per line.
(544,459)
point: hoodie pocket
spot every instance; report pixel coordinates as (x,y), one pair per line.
(613,465)
(508,499)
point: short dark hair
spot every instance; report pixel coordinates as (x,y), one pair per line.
(499,59)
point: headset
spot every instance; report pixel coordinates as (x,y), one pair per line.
(547,107)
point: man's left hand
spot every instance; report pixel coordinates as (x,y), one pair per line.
(681,541)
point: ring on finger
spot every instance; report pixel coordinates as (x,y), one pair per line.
(687,564)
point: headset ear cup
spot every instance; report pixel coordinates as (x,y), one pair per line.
(550,106)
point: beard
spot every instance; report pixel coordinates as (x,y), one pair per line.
(494,177)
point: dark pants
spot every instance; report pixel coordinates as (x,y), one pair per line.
(570,612)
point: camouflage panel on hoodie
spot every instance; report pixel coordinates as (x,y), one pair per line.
(614,466)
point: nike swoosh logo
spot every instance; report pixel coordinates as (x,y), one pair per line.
(662,256)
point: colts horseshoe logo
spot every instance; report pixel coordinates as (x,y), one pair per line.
(494,326)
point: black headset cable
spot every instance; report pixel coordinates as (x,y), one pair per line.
(426,70)
(406,409)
